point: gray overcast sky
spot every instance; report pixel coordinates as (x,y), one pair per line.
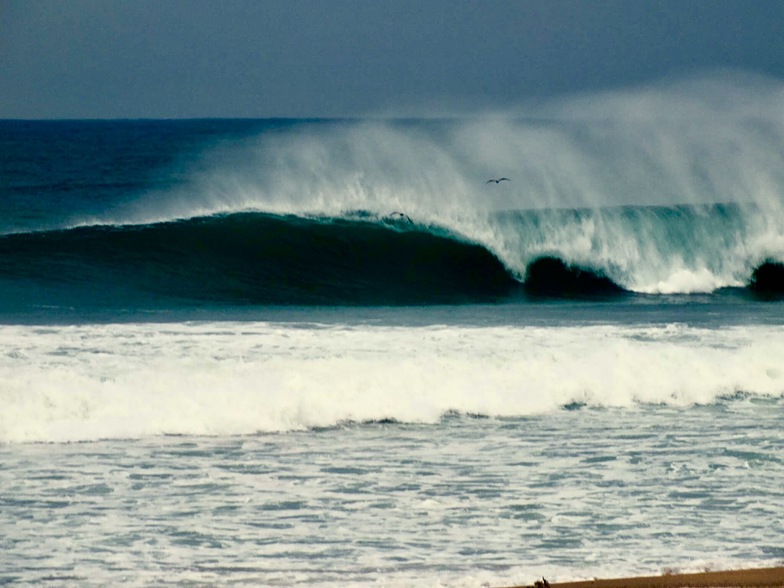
(241,58)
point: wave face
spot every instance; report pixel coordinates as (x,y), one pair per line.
(254,258)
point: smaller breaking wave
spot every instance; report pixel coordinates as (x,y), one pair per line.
(552,277)
(648,250)
(767,280)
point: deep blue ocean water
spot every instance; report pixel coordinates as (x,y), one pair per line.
(280,352)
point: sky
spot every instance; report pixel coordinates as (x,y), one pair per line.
(342,58)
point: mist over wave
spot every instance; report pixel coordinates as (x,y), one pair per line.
(707,140)
(698,142)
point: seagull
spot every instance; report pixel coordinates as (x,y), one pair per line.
(498,181)
(400,216)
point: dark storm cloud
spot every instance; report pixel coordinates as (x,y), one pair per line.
(175,58)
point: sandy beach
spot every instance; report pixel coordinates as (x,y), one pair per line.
(762,577)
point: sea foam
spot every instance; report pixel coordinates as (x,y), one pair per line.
(74,383)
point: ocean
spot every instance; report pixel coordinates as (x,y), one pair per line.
(333,353)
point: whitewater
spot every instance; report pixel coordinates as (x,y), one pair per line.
(329,353)
(92,382)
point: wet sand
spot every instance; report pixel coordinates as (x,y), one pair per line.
(762,577)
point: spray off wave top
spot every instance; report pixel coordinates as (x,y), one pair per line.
(674,150)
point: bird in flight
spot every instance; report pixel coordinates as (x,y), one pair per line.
(498,181)
(398,216)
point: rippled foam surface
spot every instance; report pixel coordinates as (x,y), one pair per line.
(572,493)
